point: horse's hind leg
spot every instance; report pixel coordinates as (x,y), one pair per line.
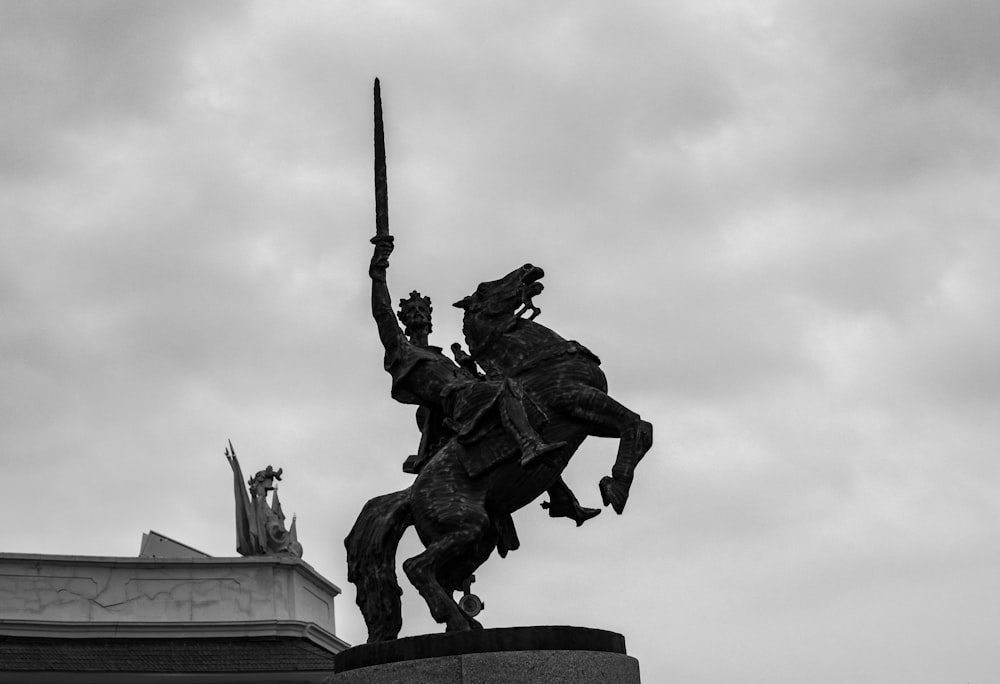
(609,418)
(454,546)
(454,576)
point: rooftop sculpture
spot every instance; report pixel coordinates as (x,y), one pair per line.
(260,526)
(498,424)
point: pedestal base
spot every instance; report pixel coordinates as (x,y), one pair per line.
(518,655)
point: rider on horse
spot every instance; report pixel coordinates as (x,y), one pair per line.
(453,398)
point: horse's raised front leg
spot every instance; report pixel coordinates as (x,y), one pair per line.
(609,418)
(467,529)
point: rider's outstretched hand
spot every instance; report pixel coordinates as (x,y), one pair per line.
(380,259)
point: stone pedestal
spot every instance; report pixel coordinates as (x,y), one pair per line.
(516,655)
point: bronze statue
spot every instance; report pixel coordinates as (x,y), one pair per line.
(489,446)
(260,527)
(453,397)
(453,400)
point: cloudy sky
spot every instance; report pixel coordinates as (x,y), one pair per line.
(776,222)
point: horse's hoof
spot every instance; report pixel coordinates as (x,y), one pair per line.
(614,493)
(644,436)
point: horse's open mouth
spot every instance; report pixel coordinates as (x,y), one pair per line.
(530,275)
(530,288)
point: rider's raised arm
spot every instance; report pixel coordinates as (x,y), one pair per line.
(385,317)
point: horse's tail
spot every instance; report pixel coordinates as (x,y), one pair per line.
(371,562)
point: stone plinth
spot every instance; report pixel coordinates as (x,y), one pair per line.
(517,655)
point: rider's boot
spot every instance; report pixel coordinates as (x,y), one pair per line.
(564,504)
(636,442)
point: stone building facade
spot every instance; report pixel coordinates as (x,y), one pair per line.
(190,620)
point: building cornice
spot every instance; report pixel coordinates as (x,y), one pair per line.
(153,563)
(250,629)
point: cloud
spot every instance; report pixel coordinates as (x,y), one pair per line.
(774,224)
(70,66)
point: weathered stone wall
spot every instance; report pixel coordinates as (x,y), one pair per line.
(86,589)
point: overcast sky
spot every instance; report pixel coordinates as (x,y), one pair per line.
(776,222)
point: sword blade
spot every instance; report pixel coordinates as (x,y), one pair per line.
(381,183)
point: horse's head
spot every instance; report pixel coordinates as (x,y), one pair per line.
(496,305)
(509,296)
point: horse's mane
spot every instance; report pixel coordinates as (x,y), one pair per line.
(534,344)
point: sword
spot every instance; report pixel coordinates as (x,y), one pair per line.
(381,184)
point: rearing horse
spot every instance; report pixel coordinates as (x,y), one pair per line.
(563,375)
(461,502)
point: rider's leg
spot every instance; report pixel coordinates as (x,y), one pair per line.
(515,422)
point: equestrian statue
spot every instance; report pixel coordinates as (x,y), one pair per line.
(498,424)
